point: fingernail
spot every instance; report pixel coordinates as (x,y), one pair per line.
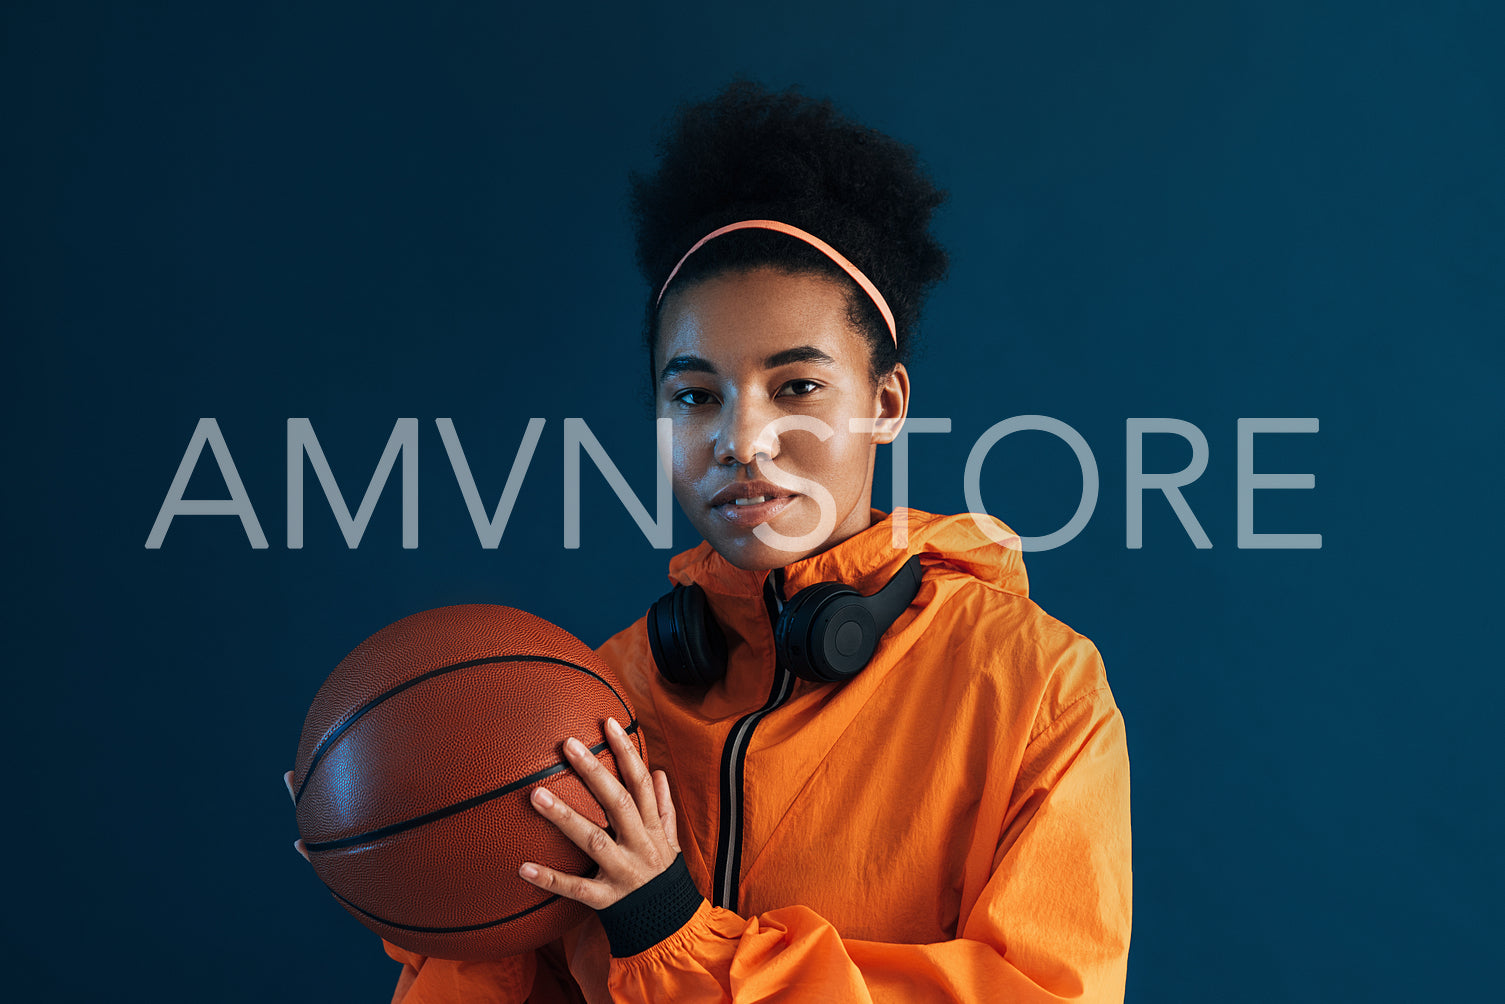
(543,798)
(528,872)
(611,723)
(575,746)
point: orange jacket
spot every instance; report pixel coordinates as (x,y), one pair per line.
(950,825)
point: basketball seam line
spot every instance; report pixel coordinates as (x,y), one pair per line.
(328,741)
(457,807)
(445,930)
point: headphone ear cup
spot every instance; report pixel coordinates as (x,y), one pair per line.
(826,633)
(686,641)
(661,641)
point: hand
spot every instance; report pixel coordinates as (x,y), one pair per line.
(641,813)
(287,779)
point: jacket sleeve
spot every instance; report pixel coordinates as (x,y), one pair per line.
(425,980)
(541,977)
(1051,924)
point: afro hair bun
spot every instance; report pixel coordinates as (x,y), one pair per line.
(752,153)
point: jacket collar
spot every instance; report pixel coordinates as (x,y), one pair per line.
(867,560)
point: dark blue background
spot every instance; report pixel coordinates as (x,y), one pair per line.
(1199,210)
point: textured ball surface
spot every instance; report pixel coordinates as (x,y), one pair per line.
(415,768)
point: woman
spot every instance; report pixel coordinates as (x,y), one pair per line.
(947,821)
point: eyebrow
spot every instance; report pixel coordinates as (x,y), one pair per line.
(695,364)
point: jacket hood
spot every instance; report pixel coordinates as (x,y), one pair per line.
(867,560)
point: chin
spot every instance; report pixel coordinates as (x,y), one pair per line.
(742,548)
(745,551)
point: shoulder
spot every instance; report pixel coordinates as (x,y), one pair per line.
(1016,649)
(628,655)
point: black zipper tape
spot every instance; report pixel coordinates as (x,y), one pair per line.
(733,763)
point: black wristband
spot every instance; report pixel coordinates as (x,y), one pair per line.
(652,912)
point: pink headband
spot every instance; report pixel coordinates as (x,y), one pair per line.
(811,239)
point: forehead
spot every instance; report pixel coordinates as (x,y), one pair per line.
(743,318)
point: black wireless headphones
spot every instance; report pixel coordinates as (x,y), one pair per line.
(826,632)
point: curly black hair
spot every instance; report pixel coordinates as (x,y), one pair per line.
(751,153)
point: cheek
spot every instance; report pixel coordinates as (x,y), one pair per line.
(686,457)
(840,463)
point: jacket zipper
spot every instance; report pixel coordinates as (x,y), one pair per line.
(733,761)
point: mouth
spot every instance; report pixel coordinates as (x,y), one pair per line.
(751,503)
(755,510)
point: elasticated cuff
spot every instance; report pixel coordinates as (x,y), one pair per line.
(653,912)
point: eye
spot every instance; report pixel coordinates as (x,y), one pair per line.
(799,388)
(692,396)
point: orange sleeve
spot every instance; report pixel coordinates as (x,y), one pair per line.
(425,980)
(1051,924)
(541,977)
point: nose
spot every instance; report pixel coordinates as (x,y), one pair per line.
(745,433)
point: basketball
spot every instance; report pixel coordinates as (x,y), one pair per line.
(415,767)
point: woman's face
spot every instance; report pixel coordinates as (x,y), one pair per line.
(755,368)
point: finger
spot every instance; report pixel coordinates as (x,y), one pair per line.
(301,848)
(581,832)
(287,779)
(666,809)
(633,770)
(592,893)
(620,805)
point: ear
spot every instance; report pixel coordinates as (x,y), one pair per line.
(891,404)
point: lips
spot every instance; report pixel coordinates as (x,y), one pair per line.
(746,491)
(747,503)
